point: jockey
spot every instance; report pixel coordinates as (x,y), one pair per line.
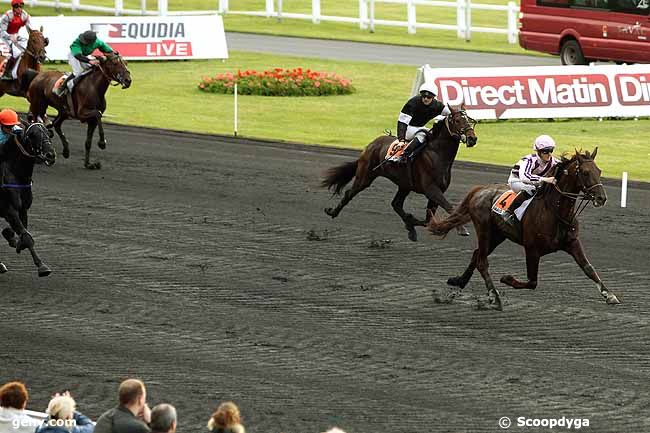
(11,22)
(9,127)
(415,114)
(81,59)
(529,173)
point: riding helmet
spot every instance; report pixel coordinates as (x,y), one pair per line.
(88,37)
(8,117)
(429,88)
(543,142)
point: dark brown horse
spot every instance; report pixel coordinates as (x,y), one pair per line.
(428,174)
(87,100)
(16,172)
(31,58)
(548,225)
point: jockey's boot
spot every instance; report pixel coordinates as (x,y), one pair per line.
(9,66)
(418,146)
(410,151)
(511,218)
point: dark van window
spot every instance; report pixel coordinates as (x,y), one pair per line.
(639,7)
(594,4)
(554,3)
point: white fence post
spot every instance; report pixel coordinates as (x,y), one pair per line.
(363,14)
(162,7)
(468,20)
(315,11)
(460,19)
(513,30)
(624,190)
(143,7)
(235,109)
(74,5)
(280,10)
(270,8)
(410,14)
(371,13)
(119,7)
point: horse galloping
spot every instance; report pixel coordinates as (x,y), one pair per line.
(32,58)
(16,172)
(428,174)
(548,225)
(86,103)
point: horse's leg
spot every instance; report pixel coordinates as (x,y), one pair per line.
(482,265)
(24,241)
(409,220)
(432,207)
(58,121)
(435,195)
(92,124)
(532,270)
(102,140)
(362,181)
(575,249)
(462,280)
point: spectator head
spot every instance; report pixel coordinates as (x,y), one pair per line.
(226,416)
(14,395)
(61,407)
(133,394)
(163,418)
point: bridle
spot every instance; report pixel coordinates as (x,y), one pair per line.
(463,132)
(36,149)
(584,194)
(40,58)
(118,78)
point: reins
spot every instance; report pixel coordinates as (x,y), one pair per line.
(583,195)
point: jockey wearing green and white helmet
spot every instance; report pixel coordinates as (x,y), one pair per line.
(415,114)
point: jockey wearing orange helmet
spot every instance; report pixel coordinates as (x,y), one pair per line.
(9,127)
(12,21)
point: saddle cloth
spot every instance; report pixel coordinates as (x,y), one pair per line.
(395,150)
(501,205)
(60,81)
(3,66)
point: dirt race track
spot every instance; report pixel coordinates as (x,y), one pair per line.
(206,267)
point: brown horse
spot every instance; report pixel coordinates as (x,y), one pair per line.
(548,225)
(32,58)
(87,100)
(428,174)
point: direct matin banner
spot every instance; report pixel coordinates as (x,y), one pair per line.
(543,92)
(141,38)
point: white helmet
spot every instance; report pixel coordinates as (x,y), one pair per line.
(428,87)
(544,142)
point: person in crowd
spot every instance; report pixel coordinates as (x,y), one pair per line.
(64,418)
(81,59)
(415,114)
(13,400)
(226,419)
(530,172)
(163,419)
(12,21)
(132,415)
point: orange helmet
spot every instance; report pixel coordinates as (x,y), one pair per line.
(8,117)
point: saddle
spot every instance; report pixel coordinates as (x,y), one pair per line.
(395,151)
(504,202)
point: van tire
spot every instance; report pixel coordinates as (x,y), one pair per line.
(571,53)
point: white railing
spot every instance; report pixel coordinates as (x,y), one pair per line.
(367,20)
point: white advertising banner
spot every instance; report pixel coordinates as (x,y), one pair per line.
(141,38)
(544,92)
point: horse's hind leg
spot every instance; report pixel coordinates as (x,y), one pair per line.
(532,270)
(409,220)
(462,280)
(102,140)
(24,240)
(361,182)
(92,124)
(482,266)
(56,123)
(435,195)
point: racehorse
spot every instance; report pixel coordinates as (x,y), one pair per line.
(549,224)
(16,188)
(87,102)
(428,174)
(32,58)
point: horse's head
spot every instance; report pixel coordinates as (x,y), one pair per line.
(36,45)
(461,126)
(581,173)
(114,68)
(36,143)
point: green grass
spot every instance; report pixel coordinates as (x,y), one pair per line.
(328,30)
(165,95)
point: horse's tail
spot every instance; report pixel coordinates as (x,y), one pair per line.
(460,215)
(336,178)
(27,78)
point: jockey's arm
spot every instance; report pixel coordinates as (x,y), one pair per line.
(526,172)
(104,47)
(4,24)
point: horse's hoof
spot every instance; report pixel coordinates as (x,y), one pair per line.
(612,299)
(330,211)
(495,301)
(93,165)
(456,282)
(44,270)
(10,236)
(3,268)
(508,280)
(66,153)
(462,231)
(413,235)
(101,144)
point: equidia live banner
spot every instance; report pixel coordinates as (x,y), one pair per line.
(543,92)
(144,38)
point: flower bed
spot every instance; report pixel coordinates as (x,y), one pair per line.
(278,82)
